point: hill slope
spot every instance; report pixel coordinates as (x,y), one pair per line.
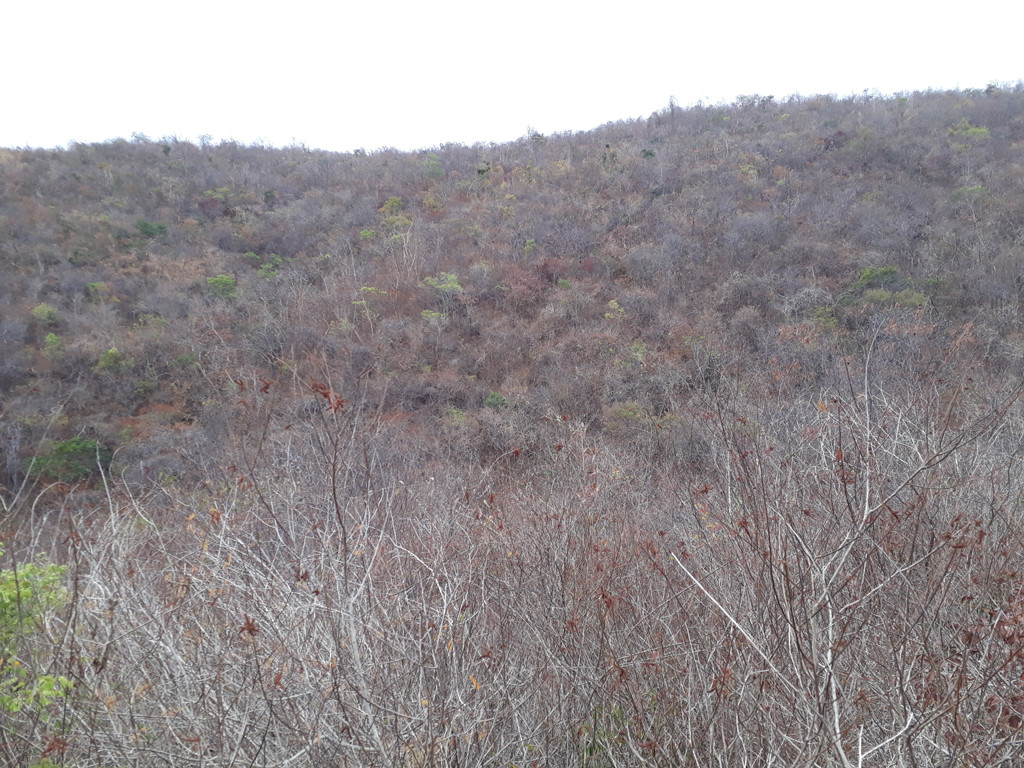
(689,439)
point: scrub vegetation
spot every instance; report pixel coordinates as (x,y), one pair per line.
(687,441)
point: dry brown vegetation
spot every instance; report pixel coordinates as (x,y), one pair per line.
(693,441)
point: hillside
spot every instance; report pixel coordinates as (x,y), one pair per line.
(692,440)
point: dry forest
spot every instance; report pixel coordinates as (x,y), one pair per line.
(688,441)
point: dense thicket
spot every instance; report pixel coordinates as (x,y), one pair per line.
(685,441)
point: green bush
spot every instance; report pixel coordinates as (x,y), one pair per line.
(964,128)
(268,269)
(878,277)
(392,206)
(878,296)
(70,461)
(52,345)
(432,167)
(883,286)
(495,400)
(624,418)
(446,282)
(99,292)
(446,288)
(222,286)
(910,298)
(970,193)
(149,229)
(45,313)
(27,593)
(187,360)
(825,317)
(112,361)
(267,266)
(615,311)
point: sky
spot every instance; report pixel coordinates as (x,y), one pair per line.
(350,74)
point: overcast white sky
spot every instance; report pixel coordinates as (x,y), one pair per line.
(347,75)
